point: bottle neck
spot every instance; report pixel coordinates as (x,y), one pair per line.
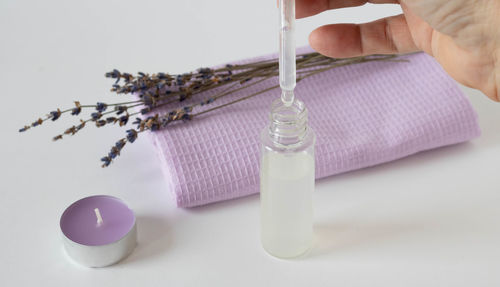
(288,123)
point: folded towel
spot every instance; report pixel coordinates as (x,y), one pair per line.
(363,115)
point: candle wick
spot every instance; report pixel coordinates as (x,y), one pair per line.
(98,215)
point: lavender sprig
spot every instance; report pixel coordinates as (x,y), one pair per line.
(154,91)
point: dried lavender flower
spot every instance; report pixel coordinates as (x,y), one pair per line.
(54,115)
(106,161)
(131,135)
(101,107)
(77,109)
(95,116)
(123,120)
(100,123)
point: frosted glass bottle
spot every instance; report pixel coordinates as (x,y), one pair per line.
(287,181)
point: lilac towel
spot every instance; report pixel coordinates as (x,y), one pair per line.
(363,115)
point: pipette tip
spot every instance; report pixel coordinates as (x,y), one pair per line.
(287,97)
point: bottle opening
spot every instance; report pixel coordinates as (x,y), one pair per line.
(288,125)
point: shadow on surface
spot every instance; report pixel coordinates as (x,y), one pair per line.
(425,157)
(339,236)
(231,203)
(154,238)
(489,117)
(344,236)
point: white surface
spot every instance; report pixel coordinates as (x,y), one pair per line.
(428,220)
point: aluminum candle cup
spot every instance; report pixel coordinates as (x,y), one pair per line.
(98,230)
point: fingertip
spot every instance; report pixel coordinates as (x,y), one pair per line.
(320,43)
(313,39)
(336,41)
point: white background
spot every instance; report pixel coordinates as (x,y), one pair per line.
(428,220)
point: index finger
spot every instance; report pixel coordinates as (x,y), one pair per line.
(306,8)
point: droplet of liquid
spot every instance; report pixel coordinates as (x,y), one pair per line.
(287,97)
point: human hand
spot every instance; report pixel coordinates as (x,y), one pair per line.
(462,35)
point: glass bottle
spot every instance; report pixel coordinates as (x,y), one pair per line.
(287,181)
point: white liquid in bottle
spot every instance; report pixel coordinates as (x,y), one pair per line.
(287,183)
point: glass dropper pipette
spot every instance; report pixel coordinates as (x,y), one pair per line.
(287,51)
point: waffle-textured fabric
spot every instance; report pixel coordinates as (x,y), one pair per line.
(362,114)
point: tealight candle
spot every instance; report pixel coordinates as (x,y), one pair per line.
(98,230)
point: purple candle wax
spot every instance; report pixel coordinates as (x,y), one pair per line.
(79,223)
